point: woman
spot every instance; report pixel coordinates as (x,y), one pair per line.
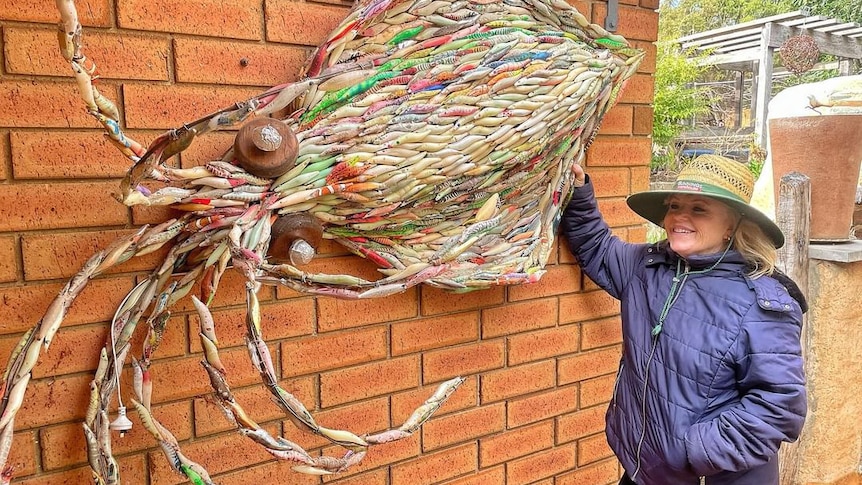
(711,378)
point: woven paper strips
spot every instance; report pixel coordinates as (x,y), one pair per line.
(435,139)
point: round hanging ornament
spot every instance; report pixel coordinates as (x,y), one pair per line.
(799,53)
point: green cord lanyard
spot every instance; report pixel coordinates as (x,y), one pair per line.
(679,280)
(675,288)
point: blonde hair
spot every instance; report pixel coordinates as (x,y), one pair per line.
(757,249)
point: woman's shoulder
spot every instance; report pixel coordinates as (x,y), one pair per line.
(777,293)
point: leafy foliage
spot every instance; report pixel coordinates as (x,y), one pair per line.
(845,10)
(676,99)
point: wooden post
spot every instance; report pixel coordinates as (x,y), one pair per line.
(764,86)
(793,217)
(738,88)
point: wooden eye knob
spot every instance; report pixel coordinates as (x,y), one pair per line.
(266,147)
(287,231)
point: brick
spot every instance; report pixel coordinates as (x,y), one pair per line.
(22,455)
(636,235)
(369,380)
(64,445)
(24,306)
(374,477)
(519,317)
(8,259)
(352,265)
(618,121)
(237,19)
(90,12)
(160,106)
(436,467)
(381,456)
(73,350)
(299,23)
(597,390)
(153,215)
(256,400)
(54,400)
(648,64)
(336,314)
(557,280)
(436,301)
(617,213)
(217,454)
(593,449)
(643,119)
(126,56)
(540,465)
(543,344)
(330,351)
(207,148)
(65,155)
(639,89)
(588,365)
(219,62)
(587,306)
(52,206)
(516,443)
(601,473)
(634,23)
(19,100)
(61,255)
(619,151)
(462,360)
(174,340)
(232,291)
(611,182)
(463,426)
(436,332)
(273,471)
(581,423)
(5,155)
(542,406)
(278,321)
(515,381)
(650,4)
(367,417)
(493,476)
(601,333)
(133,471)
(193,377)
(640,179)
(404,403)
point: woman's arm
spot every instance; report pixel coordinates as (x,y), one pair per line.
(773,404)
(603,257)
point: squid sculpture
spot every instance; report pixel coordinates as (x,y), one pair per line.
(432,137)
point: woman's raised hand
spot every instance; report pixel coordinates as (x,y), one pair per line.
(580,176)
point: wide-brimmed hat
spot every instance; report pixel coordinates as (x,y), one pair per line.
(712,176)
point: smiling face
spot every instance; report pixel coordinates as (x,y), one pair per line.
(697,225)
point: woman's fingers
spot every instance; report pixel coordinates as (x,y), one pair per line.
(580,176)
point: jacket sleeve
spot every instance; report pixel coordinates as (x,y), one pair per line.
(603,257)
(773,401)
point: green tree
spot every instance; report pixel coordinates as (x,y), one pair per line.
(676,99)
(845,10)
(678,18)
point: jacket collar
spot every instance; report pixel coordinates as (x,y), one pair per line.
(660,253)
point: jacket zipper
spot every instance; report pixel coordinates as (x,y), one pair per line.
(617,383)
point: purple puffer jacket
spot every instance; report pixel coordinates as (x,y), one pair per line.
(710,398)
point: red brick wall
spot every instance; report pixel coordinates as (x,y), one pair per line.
(539,360)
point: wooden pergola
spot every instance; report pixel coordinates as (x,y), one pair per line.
(751,46)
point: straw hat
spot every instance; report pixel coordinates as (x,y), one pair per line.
(713,176)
